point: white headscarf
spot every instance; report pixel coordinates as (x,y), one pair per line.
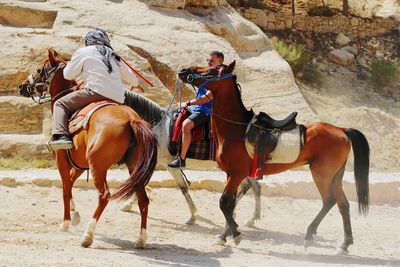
(100,39)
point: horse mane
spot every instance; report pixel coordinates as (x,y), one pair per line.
(249,113)
(147,109)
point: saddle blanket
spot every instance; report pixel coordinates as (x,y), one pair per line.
(80,119)
(202,146)
(287,149)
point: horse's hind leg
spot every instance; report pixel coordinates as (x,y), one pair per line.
(184,187)
(327,190)
(257,197)
(143,202)
(343,205)
(99,179)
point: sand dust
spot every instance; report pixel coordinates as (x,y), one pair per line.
(30,215)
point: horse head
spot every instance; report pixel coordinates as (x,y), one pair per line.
(43,80)
(198,75)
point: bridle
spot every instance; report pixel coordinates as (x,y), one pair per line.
(46,77)
(207,79)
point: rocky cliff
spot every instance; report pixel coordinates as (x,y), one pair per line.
(158,37)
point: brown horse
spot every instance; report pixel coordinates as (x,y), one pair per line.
(326,151)
(115,133)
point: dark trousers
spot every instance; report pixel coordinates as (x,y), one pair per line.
(65,106)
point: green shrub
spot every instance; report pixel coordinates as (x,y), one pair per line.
(384,73)
(299,59)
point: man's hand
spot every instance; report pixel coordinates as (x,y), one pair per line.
(137,88)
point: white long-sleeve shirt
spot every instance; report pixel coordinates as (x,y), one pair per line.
(87,63)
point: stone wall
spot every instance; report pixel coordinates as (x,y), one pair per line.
(354,26)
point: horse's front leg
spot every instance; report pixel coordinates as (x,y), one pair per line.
(68,177)
(227,204)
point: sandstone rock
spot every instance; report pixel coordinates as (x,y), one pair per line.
(175,4)
(342,39)
(23,17)
(351,49)
(20,115)
(180,4)
(341,57)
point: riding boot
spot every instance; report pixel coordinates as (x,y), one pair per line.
(60,141)
(178,162)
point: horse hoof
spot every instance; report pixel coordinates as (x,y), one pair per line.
(87,241)
(75,218)
(220,242)
(126,207)
(191,220)
(237,239)
(342,251)
(141,242)
(64,226)
(308,243)
(249,222)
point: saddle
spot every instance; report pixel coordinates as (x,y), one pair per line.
(262,134)
(80,118)
(202,146)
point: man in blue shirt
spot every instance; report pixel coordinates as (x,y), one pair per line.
(201,110)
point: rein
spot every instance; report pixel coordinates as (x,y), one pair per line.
(207,79)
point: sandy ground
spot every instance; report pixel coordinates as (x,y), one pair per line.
(30,215)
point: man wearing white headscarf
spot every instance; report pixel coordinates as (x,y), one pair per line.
(102,72)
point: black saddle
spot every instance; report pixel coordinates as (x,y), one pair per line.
(265,121)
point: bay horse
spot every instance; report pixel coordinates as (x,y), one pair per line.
(326,151)
(161,119)
(115,134)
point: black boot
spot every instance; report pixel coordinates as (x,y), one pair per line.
(178,162)
(61,141)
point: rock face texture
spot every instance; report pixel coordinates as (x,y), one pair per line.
(157,37)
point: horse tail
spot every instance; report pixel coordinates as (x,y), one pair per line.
(147,143)
(361,167)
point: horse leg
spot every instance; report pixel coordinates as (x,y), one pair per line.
(68,177)
(75,217)
(143,203)
(227,205)
(344,208)
(127,206)
(256,187)
(99,179)
(329,199)
(184,187)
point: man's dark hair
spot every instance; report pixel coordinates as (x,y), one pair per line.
(217,53)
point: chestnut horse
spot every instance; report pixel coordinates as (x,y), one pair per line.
(326,151)
(115,134)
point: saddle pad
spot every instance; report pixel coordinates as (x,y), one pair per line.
(287,149)
(80,119)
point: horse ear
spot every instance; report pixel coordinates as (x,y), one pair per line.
(230,67)
(54,58)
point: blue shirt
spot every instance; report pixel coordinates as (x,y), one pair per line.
(205,108)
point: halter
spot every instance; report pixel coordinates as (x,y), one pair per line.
(48,77)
